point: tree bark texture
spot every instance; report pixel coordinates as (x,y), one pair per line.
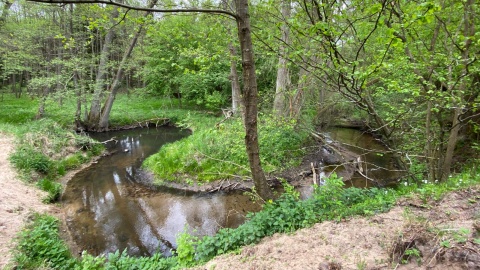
(250,94)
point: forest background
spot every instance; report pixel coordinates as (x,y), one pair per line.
(407,70)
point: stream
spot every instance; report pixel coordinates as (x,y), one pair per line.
(107,208)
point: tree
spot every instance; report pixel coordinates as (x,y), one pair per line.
(250,91)
(283,76)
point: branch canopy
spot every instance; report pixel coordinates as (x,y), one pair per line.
(127,6)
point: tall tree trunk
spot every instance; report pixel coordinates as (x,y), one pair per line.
(236,97)
(468,32)
(283,73)
(95,109)
(250,98)
(107,107)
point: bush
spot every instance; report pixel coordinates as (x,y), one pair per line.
(39,246)
(28,159)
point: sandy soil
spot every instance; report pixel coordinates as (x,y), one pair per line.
(17,201)
(370,243)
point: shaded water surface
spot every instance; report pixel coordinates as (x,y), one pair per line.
(107,209)
(377,164)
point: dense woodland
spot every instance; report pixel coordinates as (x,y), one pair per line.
(405,71)
(409,69)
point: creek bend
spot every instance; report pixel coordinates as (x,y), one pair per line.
(108,209)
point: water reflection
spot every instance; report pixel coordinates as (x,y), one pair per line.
(377,165)
(107,210)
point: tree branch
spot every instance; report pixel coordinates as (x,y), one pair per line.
(111,2)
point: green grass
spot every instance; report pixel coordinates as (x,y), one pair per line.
(17,111)
(215,152)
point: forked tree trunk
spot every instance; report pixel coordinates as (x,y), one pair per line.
(250,93)
(95,109)
(107,107)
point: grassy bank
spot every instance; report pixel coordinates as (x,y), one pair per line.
(212,152)
(216,152)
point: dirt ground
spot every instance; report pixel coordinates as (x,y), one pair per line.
(438,235)
(446,235)
(17,201)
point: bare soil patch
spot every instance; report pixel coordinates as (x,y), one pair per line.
(445,234)
(18,200)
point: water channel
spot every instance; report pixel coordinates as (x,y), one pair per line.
(108,209)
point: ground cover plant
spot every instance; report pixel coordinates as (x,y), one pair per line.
(217,151)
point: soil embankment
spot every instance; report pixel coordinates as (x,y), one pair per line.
(439,235)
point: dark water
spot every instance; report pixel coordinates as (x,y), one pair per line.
(108,210)
(378,164)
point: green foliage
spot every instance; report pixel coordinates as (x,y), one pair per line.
(216,153)
(122,261)
(187,57)
(186,249)
(53,188)
(17,110)
(28,159)
(39,246)
(288,213)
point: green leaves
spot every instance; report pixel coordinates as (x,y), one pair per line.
(288,213)
(39,245)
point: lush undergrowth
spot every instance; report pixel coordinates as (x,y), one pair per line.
(48,148)
(330,202)
(215,152)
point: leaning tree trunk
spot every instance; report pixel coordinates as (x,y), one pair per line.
(107,107)
(95,109)
(250,98)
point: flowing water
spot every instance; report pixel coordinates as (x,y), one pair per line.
(377,164)
(107,209)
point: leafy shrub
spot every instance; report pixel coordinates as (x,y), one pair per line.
(39,246)
(28,159)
